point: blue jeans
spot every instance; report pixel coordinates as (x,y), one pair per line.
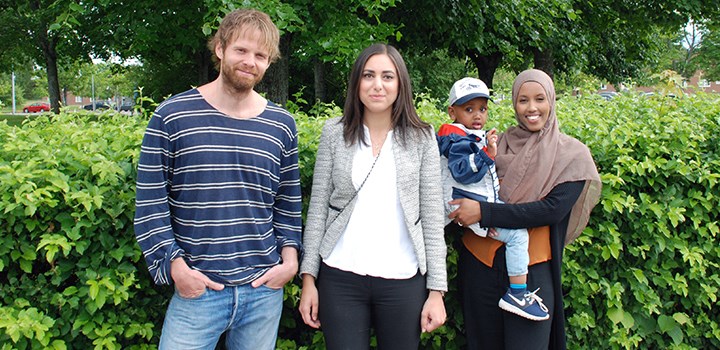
(249,317)
(516,245)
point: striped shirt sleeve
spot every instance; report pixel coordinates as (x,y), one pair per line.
(153,229)
(287,222)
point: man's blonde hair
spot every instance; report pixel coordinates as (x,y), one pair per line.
(239,22)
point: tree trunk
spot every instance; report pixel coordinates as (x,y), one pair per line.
(320,86)
(48,46)
(204,64)
(275,84)
(544,61)
(486,65)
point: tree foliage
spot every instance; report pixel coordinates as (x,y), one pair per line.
(30,84)
(708,56)
(49,24)
(693,49)
(166,37)
(489,33)
(612,40)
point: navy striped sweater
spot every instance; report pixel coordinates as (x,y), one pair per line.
(222,193)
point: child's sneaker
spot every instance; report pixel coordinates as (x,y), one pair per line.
(529,306)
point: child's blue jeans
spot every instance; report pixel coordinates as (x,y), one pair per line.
(516,246)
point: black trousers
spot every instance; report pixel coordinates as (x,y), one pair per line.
(350,305)
(486,325)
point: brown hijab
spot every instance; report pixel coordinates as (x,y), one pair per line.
(531,164)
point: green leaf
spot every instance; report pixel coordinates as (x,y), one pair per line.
(117,254)
(666,323)
(681,318)
(93,290)
(676,334)
(628,320)
(71,290)
(60,183)
(25,265)
(76,8)
(616,315)
(58,344)
(640,276)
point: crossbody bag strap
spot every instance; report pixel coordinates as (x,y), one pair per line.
(340,210)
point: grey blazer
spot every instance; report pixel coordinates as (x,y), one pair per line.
(420,193)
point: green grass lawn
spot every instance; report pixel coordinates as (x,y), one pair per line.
(16,119)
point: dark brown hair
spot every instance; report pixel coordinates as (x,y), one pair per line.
(404,118)
(239,22)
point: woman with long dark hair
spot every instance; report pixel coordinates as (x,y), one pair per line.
(374,247)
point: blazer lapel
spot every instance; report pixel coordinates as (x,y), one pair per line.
(404,162)
(345,156)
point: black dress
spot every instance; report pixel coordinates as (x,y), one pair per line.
(481,287)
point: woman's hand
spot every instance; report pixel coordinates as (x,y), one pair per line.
(433,313)
(309,302)
(467,213)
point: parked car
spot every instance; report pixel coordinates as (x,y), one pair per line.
(98,106)
(608,95)
(37,107)
(125,107)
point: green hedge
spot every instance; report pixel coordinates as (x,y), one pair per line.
(72,275)
(643,275)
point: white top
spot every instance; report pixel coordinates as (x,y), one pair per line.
(376,241)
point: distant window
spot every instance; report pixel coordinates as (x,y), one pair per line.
(717,82)
(78,99)
(603,86)
(685,83)
(703,83)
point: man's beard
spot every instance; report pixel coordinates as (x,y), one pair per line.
(238,83)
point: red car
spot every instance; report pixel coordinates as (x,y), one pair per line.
(37,107)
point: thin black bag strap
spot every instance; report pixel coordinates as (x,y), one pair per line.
(359,188)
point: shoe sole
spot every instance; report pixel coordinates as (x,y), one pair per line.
(513,309)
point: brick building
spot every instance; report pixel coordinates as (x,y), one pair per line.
(689,86)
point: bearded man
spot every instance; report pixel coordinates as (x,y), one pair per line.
(218,197)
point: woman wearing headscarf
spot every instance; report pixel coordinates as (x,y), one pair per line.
(550,184)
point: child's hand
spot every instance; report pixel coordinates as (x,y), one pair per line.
(492,139)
